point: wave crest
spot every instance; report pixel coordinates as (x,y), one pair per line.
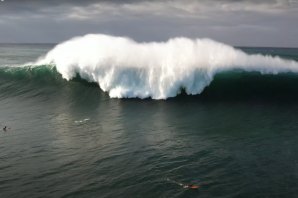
(159,70)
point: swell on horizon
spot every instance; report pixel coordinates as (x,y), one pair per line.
(127,69)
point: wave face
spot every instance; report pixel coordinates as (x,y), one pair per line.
(127,69)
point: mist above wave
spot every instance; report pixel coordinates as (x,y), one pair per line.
(125,68)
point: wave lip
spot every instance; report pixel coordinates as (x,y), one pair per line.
(127,69)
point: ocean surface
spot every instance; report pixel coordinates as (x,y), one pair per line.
(70,136)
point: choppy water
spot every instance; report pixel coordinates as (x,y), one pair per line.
(69,139)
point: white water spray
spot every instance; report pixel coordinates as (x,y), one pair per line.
(125,68)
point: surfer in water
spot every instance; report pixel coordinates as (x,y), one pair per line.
(186,186)
(191,186)
(5,128)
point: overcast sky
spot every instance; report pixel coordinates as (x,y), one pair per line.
(235,22)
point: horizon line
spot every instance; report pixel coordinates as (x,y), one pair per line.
(50,43)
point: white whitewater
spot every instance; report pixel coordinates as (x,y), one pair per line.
(126,69)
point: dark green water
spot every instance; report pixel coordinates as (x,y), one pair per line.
(69,139)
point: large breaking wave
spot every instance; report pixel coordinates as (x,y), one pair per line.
(125,68)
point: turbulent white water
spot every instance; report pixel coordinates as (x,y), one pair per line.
(159,70)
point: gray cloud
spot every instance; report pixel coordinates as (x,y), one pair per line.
(241,22)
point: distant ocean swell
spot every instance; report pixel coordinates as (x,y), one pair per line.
(127,69)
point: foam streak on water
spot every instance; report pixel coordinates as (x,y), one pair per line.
(125,68)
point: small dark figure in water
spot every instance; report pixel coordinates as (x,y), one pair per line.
(5,128)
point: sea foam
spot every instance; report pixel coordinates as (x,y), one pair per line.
(125,68)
